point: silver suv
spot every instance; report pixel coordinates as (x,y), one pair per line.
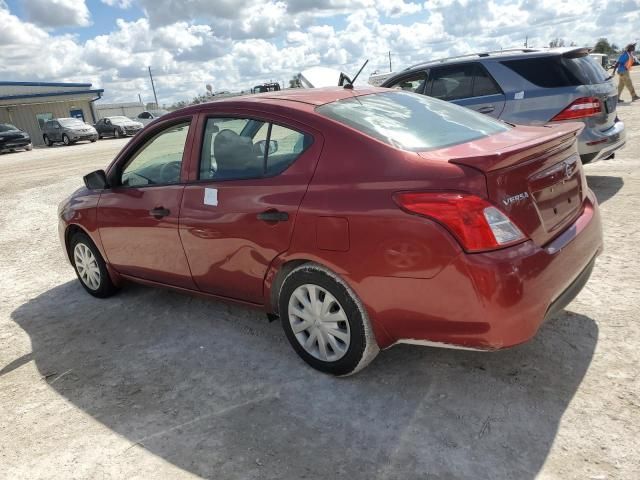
(67,131)
(528,87)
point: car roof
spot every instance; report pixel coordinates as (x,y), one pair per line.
(296,98)
(510,54)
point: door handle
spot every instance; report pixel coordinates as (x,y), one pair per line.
(273,216)
(487,109)
(159,212)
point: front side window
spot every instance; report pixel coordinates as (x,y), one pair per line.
(413,83)
(241,148)
(159,161)
(410,121)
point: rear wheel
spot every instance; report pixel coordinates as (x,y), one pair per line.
(28,148)
(90,267)
(325,322)
(116,133)
(65,139)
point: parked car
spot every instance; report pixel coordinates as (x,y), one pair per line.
(117,127)
(146,117)
(67,131)
(362,218)
(530,87)
(12,138)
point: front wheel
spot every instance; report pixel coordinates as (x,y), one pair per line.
(90,267)
(48,141)
(117,133)
(66,140)
(28,148)
(325,322)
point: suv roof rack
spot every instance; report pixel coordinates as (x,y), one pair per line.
(479,54)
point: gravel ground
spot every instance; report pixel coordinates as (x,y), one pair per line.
(155,384)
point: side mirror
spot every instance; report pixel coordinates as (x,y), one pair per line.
(96,180)
(262,146)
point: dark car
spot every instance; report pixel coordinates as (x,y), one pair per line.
(528,87)
(362,218)
(12,138)
(117,127)
(67,131)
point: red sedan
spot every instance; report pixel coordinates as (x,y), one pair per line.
(362,218)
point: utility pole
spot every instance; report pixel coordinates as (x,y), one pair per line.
(390,69)
(154,88)
(140,98)
(526,41)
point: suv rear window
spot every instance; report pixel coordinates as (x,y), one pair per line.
(410,121)
(558,71)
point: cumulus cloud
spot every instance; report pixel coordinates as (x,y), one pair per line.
(239,44)
(124,4)
(57,13)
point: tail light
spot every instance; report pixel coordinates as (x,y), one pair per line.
(478,225)
(581,108)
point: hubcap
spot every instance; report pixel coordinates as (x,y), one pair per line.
(319,323)
(87,266)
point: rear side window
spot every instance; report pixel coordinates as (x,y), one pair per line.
(410,121)
(243,148)
(557,71)
(483,83)
(452,83)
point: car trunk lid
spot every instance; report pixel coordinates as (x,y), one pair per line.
(533,174)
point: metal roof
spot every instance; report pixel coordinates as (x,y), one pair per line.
(43,84)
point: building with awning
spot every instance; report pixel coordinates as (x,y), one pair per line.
(28,105)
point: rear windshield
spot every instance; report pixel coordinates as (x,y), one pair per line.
(557,71)
(410,121)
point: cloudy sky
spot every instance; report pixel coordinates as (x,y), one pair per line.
(235,44)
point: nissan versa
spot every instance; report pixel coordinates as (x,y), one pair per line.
(361,217)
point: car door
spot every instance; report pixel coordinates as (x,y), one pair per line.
(468,85)
(100,126)
(238,213)
(53,131)
(138,216)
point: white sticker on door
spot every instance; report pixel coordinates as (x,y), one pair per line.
(211,196)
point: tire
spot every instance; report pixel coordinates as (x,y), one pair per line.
(28,148)
(90,267)
(94,140)
(352,347)
(116,133)
(48,141)
(65,139)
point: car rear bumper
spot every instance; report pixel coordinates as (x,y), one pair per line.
(594,144)
(490,300)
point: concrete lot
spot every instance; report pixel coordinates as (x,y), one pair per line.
(153,384)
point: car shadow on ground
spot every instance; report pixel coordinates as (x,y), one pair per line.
(604,186)
(217,391)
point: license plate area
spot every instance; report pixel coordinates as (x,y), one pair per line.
(557,192)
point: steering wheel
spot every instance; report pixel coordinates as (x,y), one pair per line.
(170,172)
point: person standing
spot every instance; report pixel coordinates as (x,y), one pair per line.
(623,67)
